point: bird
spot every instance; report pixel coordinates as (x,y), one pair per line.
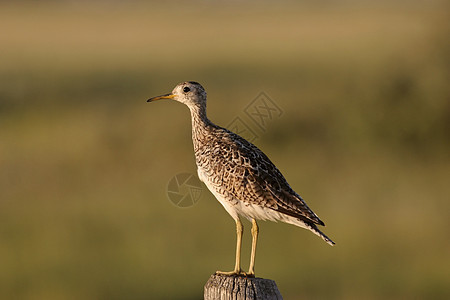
(240,176)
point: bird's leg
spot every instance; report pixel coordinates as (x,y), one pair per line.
(237,268)
(239,233)
(255,231)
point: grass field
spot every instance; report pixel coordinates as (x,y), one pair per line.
(84,161)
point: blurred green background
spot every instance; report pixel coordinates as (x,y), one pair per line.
(85,161)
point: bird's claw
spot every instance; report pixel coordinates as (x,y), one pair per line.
(236,273)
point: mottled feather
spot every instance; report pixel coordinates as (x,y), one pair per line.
(240,175)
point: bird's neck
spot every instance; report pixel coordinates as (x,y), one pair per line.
(201,125)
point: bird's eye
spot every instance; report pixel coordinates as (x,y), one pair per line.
(186,89)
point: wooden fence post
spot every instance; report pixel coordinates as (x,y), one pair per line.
(220,287)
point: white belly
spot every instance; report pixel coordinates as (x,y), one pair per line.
(237,207)
(231,209)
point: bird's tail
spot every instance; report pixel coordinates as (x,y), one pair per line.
(316,231)
(307,224)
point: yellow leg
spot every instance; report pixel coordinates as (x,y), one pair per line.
(237,267)
(255,231)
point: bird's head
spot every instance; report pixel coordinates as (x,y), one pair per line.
(190,93)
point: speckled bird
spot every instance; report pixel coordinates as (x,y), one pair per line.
(240,176)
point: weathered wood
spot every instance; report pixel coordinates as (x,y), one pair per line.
(220,287)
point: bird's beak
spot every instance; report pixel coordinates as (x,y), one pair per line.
(166,96)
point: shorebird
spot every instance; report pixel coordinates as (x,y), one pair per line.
(240,176)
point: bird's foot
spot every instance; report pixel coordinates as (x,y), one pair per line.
(235,273)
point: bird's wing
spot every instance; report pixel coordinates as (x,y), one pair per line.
(255,179)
